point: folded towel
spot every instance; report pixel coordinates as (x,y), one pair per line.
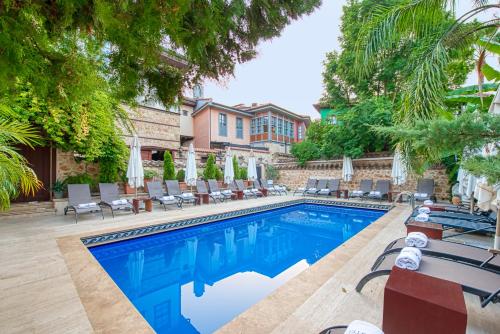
(187,195)
(255,190)
(362,327)
(301,189)
(167,198)
(324,190)
(422,217)
(424,209)
(428,202)
(421,195)
(376,193)
(86,205)
(312,190)
(119,202)
(416,239)
(357,192)
(215,193)
(227,192)
(409,258)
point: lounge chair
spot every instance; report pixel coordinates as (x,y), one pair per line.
(174,189)
(449,250)
(281,189)
(110,197)
(333,187)
(473,279)
(364,189)
(263,186)
(490,217)
(334,330)
(253,192)
(201,188)
(311,183)
(155,191)
(454,223)
(314,191)
(381,190)
(425,190)
(213,186)
(80,201)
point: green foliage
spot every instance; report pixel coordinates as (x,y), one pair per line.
(149,174)
(168,167)
(236,168)
(489,167)
(82,178)
(305,151)
(74,44)
(272,173)
(219,175)
(181,175)
(243,175)
(108,171)
(16,177)
(210,168)
(58,186)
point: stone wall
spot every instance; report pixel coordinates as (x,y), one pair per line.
(369,168)
(67,165)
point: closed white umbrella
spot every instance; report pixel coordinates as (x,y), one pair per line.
(347,170)
(462,181)
(135,171)
(191,174)
(252,167)
(495,109)
(398,173)
(228,167)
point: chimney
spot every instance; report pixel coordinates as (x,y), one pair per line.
(254,104)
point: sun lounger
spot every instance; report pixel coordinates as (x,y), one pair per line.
(281,189)
(80,201)
(248,192)
(156,193)
(333,188)
(201,188)
(334,330)
(263,185)
(490,217)
(174,189)
(381,190)
(364,189)
(314,191)
(213,186)
(425,190)
(311,183)
(453,223)
(110,197)
(449,250)
(473,279)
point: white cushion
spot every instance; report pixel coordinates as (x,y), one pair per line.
(227,192)
(375,193)
(255,190)
(421,195)
(215,193)
(428,202)
(301,189)
(167,198)
(325,190)
(187,195)
(119,202)
(357,192)
(312,190)
(86,205)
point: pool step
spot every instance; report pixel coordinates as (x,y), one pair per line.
(29,209)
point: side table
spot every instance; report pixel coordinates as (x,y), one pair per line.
(148,204)
(431,230)
(203,198)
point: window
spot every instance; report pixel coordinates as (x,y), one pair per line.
(223,125)
(280,126)
(259,125)
(273,124)
(300,132)
(264,124)
(184,113)
(292,125)
(252,126)
(239,127)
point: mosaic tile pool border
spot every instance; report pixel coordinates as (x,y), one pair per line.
(157,228)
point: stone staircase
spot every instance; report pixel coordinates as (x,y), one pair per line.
(29,209)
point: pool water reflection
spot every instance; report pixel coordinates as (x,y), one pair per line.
(197,279)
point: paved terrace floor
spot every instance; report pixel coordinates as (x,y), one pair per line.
(38,293)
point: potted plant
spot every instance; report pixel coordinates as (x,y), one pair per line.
(127,189)
(149,175)
(58,189)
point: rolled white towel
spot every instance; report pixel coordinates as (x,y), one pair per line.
(362,327)
(119,202)
(420,195)
(86,205)
(215,193)
(416,239)
(409,258)
(167,198)
(357,192)
(255,190)
(301,189)
(187,195)
(227,192)
(325,190)
(428,202)
(424,209)
(312,190)
(422,217)
(375,193)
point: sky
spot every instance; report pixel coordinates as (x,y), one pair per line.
(287,70)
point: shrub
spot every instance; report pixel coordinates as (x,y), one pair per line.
(168,167)
(236,168)
(82,178)
(272,173)
(219,175)
(243,174)
(108,171)
(305,151)
(149,174)
(210,169)
(181,175)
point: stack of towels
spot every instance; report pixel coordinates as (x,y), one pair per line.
(409,258)
(86,205)
(167,198)
(416,239)
(362,327)
(187,195)
(119,202)
(424,209)
(422,217)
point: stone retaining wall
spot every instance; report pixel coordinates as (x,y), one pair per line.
(295,176)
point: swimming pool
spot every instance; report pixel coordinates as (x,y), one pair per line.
(196,279)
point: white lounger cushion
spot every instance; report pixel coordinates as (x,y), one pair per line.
(375,193)
(255,190)
(325,190)
(86,205)
(167,198)
(119,202)
(357,192)
(187,195)
(421,195)
(227,192)
(215,193)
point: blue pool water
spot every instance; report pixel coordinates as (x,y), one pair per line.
(197,279)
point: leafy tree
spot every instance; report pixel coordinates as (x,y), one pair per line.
(15,174)
(181,175)
(219,175)
(236,168)
(210,168)
(243,175)
(305,151)
(168,167)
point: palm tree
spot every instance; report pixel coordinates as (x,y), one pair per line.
(429,22)
(16,177)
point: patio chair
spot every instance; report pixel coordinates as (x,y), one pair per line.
(213,186)
(110,197)
(201,188)
(80,201)
(314,191)
(333,187)
(246,193)
(425,190)
(311,183)
(482,217)
(155,191)
(473,279)
(253,192)
(174,189)
(381,190)
(449,250)
(364,189)
(261,186)
(281,189)
(468,226)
